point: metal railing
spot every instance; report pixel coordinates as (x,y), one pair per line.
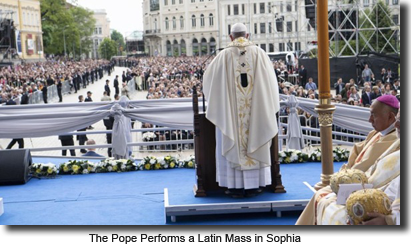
(175,143)
(311,132)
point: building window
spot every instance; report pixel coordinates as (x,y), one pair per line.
(271,48)
(296,26)
(211,19)
(395,2)
(167,23)
(181,22)
(181,1)
(296,6)
(201,0)
(289,8)
(174,22)
(243,9)
(262,28)
(173,2)
(270,27)
(289,26)
(202,22)
(281,47)
(193,21)
(263,46)
(228,9)
(279,25)
(297,46)
(262,8)
(255,28)
(366,3)
(235,6)
(308,27)
(229,28)
(99,31)
(255,8)
(193,1)
(165,2)
(395,19)
(289,46)
(269,8)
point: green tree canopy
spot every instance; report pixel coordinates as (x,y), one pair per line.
(107,48)
(119,39)
(377,26)
(66,24)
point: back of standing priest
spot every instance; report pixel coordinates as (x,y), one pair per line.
(242,95)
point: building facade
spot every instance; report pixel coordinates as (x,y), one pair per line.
(26,33)
(180,27)
(101,31)
(199,27)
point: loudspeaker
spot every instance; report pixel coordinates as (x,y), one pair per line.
(14,166)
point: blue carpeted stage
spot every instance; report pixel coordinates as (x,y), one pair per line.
(149,198)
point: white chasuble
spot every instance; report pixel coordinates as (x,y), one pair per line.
(242,95)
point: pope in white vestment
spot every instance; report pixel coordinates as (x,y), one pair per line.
(242,95)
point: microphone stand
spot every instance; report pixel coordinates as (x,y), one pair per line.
(202,73)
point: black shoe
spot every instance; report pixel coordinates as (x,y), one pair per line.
(252,192)
(83,151)
(235,193)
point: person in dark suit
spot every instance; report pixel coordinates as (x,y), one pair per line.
(59,85)
(108,123)
(339,86)
(91,72)
(91,151)
(302,72)
(44,91)
(366,96)
(116,86)
(107,87)
(67,140)
(9,100)
(88,98)
(396,85)
(82,138)
(20,141)
(375,93)
(124,77)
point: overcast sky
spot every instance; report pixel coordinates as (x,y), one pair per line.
(125,15)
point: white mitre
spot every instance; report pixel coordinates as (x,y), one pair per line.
(238,28)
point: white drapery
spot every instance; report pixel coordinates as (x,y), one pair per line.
(40,120)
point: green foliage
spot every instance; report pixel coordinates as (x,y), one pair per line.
(107,48)
(376,29)
(59,21)
(119,39)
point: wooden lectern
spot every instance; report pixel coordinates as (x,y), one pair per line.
(205,144)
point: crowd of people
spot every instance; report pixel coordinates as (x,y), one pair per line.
(18,82)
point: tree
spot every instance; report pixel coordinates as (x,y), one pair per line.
(377,29)
(119,39)
(107,48)
(65,27)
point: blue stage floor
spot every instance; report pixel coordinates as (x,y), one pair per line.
(137,198)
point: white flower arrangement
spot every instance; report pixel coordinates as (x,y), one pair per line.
(339,154)
(44,170)
(152,163)
(112,165)
(76,167)
(147,136)
(188,162)
(292,156)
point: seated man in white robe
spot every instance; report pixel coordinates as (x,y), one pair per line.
(242,95)
(383,112)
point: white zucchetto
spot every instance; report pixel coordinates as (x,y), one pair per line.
(238,28)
